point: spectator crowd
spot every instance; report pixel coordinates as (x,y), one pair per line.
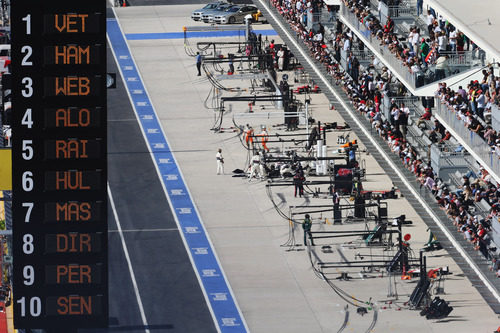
(421,49)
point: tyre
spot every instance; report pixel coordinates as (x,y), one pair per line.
(232,20)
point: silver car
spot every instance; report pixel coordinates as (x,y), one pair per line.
(208,17)
(235,14)
(197,14)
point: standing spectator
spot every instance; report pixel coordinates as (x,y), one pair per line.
(198,63)
(379,9)
(481,103)
(430,22)
(453,40)
(441,67)
(395,116)
(403,119)
(420,7)
(424,50)
(460,42)
(442,42)
(355,68)
(416,38)
(389,25)
(462,93)
(347,44)
(331,17)
(220,162)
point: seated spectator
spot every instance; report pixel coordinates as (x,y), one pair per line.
(426,116)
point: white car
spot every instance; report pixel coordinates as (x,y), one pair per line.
(197,14)
(235,14)
(208,17)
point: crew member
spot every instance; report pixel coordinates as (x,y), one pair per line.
(249,136)
(231,65)
(298,181)
(264,138)
(262,167)
(198,63)
(306,225)
(281,58)
(254,166)
(220,162)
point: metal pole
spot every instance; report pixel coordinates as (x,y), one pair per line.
(307,118)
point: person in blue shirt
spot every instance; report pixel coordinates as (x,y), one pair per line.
(198,63)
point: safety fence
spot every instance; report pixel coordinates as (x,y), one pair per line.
(474,142)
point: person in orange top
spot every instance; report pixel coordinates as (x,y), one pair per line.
(248,131)
(264,138)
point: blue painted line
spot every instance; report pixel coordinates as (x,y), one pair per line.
(196,34)
(213,281)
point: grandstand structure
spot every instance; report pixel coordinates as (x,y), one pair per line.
(465,66)
(470,148)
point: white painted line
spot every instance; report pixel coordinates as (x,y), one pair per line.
(388,160)
(129,262)
(145,230)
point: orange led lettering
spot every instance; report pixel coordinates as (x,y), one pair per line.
(73,274)
(72,55)
(71,149)
(74,305)
(70,180)
(70,23)
(68,118)
(72,211)
(73,243)
(72,86)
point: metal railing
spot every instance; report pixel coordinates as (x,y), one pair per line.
(402,12)
(474,142)
(409,101)
(445,160)
(362,56)
(495,117)
(465,58)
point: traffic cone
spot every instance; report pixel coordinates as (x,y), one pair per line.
(124,3)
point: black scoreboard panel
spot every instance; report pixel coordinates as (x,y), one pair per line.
(59,164)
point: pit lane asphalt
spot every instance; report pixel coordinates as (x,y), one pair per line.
(168,287)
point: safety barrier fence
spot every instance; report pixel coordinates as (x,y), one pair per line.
(471,139)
